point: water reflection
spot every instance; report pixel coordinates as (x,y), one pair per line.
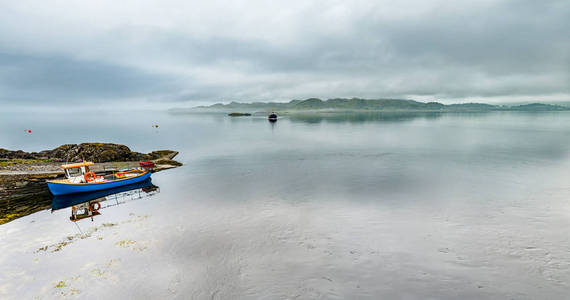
(333,208)
(362,117)
(88,205)
(20,201)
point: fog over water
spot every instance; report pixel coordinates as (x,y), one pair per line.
(367,206)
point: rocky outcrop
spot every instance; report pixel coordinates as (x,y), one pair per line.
(238,114)
(96,152)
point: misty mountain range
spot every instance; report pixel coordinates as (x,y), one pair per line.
(357,104)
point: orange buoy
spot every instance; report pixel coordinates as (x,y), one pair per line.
(95,206)
(89,176)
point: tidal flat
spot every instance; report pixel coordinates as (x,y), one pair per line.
(326,206)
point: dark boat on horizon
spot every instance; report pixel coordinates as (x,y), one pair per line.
(272,117)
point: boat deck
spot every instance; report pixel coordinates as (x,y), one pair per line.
(104,178)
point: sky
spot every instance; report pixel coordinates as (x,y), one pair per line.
(175,53)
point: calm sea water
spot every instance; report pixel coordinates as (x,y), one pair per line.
(347,206)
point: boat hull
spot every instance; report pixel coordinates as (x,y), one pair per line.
(57,188)
(65,201)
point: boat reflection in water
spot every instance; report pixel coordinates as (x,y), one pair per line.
(88,205)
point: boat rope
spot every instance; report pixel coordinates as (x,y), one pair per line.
(78,227)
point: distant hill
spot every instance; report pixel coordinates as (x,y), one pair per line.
(357,104)
(539,107)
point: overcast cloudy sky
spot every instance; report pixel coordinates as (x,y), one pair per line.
(183,53)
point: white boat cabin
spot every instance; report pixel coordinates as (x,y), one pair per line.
(79,172)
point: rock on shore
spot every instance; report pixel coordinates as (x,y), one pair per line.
(96,152)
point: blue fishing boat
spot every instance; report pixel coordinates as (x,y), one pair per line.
(65,201)
(80,179)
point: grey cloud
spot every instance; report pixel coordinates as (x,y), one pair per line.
(39,78)
(479,49)
(509,38)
